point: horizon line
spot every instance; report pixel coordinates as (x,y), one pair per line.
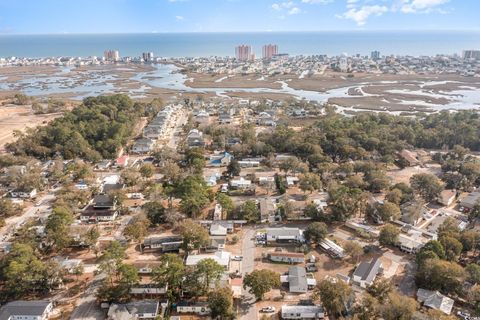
(244,32)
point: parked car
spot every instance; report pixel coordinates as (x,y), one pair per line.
(237,258)
(268,309)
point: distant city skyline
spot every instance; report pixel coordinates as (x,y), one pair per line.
(171,16)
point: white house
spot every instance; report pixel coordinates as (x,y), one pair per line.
(221,257)
(200,308)
(24,194)
(240,183)
(26,310)
(366,272)
(143,309)
(287,257)
(302,312)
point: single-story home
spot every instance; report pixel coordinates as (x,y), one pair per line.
(196,307)
(221,257)
(447,197)
(471,200)
(22,309)
(435,300)
(287,257)
(301,312)
(165,244)
(366,272)
(284,235)
(142,309)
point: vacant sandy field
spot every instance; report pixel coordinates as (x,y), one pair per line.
(14,118)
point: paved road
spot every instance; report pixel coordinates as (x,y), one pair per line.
(87,306)
(247,309)
(16,222)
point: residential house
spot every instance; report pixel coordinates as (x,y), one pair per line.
(217,243)
(163,244)
(447,197)
(25,193)
(240,183)
(220,160)
(287,257)
(195,307)
(103,209)
(28,310)
(302,312)
(221,257)
(225,118)
(143,145)
(410,157)
(435,300)
(284,235)
(249,163)
(366,272)
(217,229)
(122,161)
(147,287)
(471,200)
(142,309)
(298,281)
(202,117)
(266,119)
(267,209)
(195,139)
(333,249)
(412,212)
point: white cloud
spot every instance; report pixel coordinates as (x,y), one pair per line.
(317,1)
(420,6)
(276,6)
(294,10)
(361,15)
(283,5)
(180,18)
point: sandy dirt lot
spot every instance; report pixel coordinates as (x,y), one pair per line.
(14,118)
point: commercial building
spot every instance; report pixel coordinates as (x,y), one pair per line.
(375,55)
(147,56)
(269,51)
(111,55)
(243,52)
(471,54)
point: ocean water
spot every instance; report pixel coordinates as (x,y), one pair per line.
(223,44)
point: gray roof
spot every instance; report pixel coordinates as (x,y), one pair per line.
(470,200)
(297,279)
(23,308)
(435,300)
(367,271)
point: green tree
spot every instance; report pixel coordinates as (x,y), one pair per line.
(473,271)
(380,289)
(233,168)
(442,275)
(399,307)
(316,232)
(226,202)
(170,273)
(453,247)
(155,212)
(249,211)
(260,281)
(389,235)
(334,296)
(427,185)
(208,271)
(56,228)
(309,182)
(220,302)
(130,176)
(367,308)
(194,235)
(388,211)
(137,229)
(353,249)
(147,170)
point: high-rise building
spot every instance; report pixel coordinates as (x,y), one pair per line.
(375,55)
(471,54)
(269,50)
(111,55)
(147,56)
(243,52)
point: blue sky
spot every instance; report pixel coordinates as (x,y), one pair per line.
(126,16)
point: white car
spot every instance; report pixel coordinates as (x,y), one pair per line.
(268,309)
(237,258)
